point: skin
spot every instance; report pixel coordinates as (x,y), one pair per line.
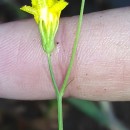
(102,66)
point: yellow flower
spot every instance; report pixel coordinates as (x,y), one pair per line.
(46,14)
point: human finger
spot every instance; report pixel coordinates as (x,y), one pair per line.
(102,66)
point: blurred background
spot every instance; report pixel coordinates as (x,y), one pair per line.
(78,114)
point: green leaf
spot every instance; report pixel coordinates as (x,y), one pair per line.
(89,108)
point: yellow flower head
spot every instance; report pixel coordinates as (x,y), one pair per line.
(46,14)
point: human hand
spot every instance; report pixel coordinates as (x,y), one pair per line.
(102,66)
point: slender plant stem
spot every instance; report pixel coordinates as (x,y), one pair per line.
(60,113)
(59,97)
(60,93)
(52,75)
(64,86)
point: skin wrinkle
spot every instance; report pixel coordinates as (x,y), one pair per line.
(64,50)
(59,55)
(102,65)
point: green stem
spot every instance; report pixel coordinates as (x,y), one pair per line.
(52,75)
(64,86)
(60,116)
(61,93)
(59,97)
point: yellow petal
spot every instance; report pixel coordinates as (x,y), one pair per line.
(28,9)
(36,17)
(41,3)
(34,2)
(51,2)
(58,7)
